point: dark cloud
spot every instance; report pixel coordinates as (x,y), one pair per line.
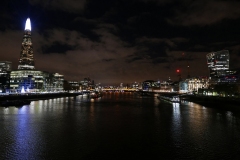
(205,12)
(57,47)
(108,60)
(67,6)
(133,59)
(160,60)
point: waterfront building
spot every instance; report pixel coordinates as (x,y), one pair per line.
(135,85)
(166,87)
(183,86)
(193,84)
(58,81)
(74,85)
(169,86)
(5,69)
(150,85)
(198,82)
(27,80)
(98,87)
(53,82)
(36,81)
(219,72)
(87,84)
(228,79)
(232,76)
(218,63)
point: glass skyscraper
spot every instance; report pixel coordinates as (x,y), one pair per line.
(218,63)
(26,61)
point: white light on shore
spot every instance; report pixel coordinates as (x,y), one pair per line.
(22,90)
(28,25)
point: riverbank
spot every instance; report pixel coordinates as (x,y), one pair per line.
(226,103)
(36,96)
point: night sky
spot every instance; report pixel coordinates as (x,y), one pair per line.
(114,41)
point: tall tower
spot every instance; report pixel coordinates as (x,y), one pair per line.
(26,61)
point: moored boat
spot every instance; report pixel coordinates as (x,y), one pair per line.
(171,98)
(95,94)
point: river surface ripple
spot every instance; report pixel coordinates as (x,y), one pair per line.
(118,126)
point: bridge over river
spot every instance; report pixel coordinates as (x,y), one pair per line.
(39,96)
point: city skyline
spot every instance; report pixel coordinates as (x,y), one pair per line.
(122,41)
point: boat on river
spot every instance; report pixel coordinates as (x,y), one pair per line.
(170,97)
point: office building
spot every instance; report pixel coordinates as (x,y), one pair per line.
(87,84)
(5,69)
(57,82)
(74,85)
(27,80)
(150,85)
(218,63)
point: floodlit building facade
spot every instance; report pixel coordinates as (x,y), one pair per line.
(27,80)
(193,84)
(36,81)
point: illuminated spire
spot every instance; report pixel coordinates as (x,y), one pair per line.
(28,25)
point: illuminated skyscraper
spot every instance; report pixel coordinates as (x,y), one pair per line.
(26,61)
(218,63)
(26,78)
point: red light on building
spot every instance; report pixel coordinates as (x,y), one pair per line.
(178,71)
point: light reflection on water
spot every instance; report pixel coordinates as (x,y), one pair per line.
(115,126)
(176,125)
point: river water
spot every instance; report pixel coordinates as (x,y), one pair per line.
(118,126)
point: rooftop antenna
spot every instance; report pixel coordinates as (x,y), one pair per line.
(188,66)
